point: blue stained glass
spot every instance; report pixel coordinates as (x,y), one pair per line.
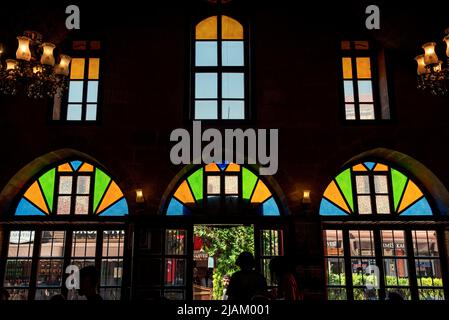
(25,208)
(176,208)
(232,53)
(233,86)
(92,91)
(206,53)
(118,209)
(222,166)
(365,91)
(233,109)
(370,165)
(205,85)
(76,91)
(74,112)
(75,164)
(420,208)
(270,208)
(349,91)
(206,109)
(328,209)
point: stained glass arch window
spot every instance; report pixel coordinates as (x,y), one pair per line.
(229,183)
(73,188)
(374,188)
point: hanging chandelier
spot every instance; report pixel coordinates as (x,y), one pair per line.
(433,75)
(34,70)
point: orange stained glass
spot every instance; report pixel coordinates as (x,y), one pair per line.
(112,195)
(233,167)
(86,168)
(184,194)
(359,167)
(411,194)
(345,45)
(212,167)
(333,194)
(380,167)
(261,193)
(77,68)
(231,29)
(34,195)
(363,68)
(65,168)
(347,68)
(361,45)
(94,68)
(207,29)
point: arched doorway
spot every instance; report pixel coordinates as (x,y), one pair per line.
(212,203)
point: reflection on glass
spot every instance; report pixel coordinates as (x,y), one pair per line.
(175,242)
(175,272)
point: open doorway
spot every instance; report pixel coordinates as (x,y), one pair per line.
(216,248)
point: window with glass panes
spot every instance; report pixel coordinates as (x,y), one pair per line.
(219,74)
(73,192)
(358,81)
(372,192)
(272,245)
(84,80)
(379,262)
(37,260)
(222,187)
(175,264)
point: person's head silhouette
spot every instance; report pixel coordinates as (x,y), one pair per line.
(88,283)
(245,261)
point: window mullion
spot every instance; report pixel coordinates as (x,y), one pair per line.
(219,68)
(413,282)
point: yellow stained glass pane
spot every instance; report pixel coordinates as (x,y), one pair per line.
(184,194)
(86,168)
(231,29)
(261,193)
(65,168)
(359,167)
(77,68)
(212,167)
(34,195)
(207,29)
(333,194)
(363,68)
(233,167)
(112,195)
(94,68)
(347,68)
(380,167)
(412,193)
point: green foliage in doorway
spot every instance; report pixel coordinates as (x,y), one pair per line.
(225,244)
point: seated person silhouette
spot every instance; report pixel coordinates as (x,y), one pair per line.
(88,283)
(246,283)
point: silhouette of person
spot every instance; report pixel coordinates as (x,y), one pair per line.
(395,296)
(88,283)
(283,271)
(246,283)
(4,294)
(57,297)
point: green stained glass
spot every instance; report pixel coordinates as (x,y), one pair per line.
(196,184)
(345,184)
(249,180)
(398,181)
(101,183)
(47,182)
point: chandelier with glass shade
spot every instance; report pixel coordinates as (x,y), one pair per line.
(433,74)
(34,70)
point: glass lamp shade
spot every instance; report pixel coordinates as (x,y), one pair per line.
(430,57)
(11,64)
(23,51)
(438,66)
(446,39)
(63,67)
(1,49)
(47,56)
(421,65)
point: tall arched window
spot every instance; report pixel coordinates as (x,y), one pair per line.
(70,195)
(372,253)
(219,77)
